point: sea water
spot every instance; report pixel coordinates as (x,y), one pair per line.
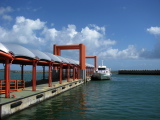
(124,97)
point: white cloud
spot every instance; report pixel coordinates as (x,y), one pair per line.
(72,30)
(155,53)
(90,34)
(29,24)
(23,32)
(97,28)
(108,42)
(4,13)
(5,10)
(35,33)
(129,52)
(154,30)
(50,33)
(7,17)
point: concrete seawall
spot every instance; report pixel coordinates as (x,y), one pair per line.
(27,97)
(140,72)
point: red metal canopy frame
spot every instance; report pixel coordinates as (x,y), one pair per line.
(9,59)
(95,61)
(82,51)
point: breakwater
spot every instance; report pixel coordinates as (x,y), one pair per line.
(140,72)
(26,98)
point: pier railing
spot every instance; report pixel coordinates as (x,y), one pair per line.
(15,85)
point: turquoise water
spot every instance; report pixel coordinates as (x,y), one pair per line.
(125,97)
(27,76)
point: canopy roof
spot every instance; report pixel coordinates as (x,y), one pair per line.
(53,57)
(41,55)
(19,51)
(3,48)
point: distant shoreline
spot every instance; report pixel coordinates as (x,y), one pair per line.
(114,71)
(40,71)
(25,71)
(140,72)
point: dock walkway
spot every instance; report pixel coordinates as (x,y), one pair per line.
(23,99)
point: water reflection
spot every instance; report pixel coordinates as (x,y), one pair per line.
(70,104)
(123,97)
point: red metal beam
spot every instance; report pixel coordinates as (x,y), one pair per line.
(50,75)
(95,61)
(6,55)
(7,78)
(60,73)
(34,75)
(82,50)
(82,56)
(23,60)
(66,47)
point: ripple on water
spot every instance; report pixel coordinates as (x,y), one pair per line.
(125,97)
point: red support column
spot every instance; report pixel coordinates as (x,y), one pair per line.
(82,56)
(95,61)
(34,75)
(50,75)
(7,78)
(82,50)
(60,73)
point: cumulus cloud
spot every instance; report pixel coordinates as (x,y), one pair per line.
(4,13)
(130,52)
(92,36)
(36,34)
(155,53)
(154,30)
(23,32)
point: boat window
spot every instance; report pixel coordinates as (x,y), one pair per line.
(101,69)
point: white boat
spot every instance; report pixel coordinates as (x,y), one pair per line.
(102,73)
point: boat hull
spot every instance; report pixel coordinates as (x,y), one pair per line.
(101,76)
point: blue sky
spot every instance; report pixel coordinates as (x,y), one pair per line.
(123,33)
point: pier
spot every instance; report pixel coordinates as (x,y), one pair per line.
(15,96)
(140,72)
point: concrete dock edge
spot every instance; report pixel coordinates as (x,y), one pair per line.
(19,104)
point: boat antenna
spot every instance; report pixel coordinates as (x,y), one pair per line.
(102,62)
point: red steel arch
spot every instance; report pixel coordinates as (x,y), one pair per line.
(95,61)
(82,52)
